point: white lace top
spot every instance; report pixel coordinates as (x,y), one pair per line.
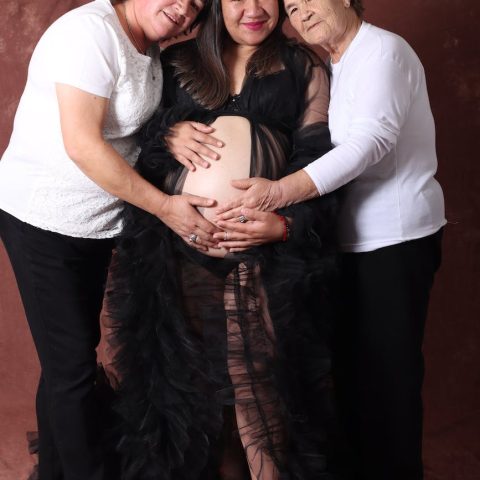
(39,184)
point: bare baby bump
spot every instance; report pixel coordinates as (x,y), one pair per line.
(214,182)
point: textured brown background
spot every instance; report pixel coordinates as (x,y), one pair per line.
(445,35)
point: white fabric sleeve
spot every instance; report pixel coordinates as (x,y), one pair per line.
(382,98)
(85,55)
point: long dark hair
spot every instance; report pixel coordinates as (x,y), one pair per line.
(203,74)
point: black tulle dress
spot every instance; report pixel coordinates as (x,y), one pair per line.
(216,357)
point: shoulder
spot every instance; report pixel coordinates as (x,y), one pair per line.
(379,45)
(300,52)
(94,22)
(83,48)
(301,58)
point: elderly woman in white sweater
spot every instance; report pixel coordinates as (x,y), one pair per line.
(389,228)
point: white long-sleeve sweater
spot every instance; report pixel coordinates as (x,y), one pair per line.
(383,130)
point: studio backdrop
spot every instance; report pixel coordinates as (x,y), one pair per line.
(444,33)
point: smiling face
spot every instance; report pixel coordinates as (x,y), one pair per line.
(250,22)
(319,22)
(163,19)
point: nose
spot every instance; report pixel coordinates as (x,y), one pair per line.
(181,7)
(305,12)
(252,8)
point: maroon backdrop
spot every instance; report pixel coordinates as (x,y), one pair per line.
(445,36)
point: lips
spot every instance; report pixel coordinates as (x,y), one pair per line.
(254,26)
(171,17)
(313,25)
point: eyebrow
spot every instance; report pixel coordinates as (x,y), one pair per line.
(289,5)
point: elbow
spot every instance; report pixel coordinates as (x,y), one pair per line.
(80,151)
(74,151)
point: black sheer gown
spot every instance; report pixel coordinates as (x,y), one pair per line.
(219,357)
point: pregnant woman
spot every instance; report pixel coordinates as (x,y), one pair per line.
(223,367)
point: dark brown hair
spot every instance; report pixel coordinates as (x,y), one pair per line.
(357,5)
(203,74)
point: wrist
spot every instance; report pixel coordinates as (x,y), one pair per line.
(161,206)
(286,227)
(277,194)
(281,193)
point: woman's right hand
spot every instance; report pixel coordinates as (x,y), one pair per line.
(179,212)
(187,142)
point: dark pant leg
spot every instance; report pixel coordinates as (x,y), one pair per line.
(378,355)
(61,281)
(49,461)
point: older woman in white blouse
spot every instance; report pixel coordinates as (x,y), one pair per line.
(389,227)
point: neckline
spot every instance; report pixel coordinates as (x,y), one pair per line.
(363,27)
(248,79)
(129,42)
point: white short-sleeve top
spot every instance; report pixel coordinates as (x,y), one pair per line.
(384,136)
(39,184)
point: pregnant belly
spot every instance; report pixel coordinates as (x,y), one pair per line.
(214,182)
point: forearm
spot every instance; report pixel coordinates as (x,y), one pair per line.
(99,161)
(294,188)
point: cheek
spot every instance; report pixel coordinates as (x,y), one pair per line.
(230,16)
(296,23)
(228,23)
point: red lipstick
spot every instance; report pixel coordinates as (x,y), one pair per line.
(254,25)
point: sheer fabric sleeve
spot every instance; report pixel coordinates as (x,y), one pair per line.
(155,161)
(318,96)
(313,220)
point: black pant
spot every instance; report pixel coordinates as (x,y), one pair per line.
(61,281)
(378,361)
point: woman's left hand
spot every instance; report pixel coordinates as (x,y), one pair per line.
(259,228)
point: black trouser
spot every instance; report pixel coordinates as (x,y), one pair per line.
(378,355)
(61,281)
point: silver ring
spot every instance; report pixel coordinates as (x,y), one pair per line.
(225,236)
(242,219)
(192,238)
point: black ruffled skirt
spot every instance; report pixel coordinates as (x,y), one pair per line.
(223,365)
(217,357)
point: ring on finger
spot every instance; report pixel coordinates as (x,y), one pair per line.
(192,238)
(242,219)
(225,236)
